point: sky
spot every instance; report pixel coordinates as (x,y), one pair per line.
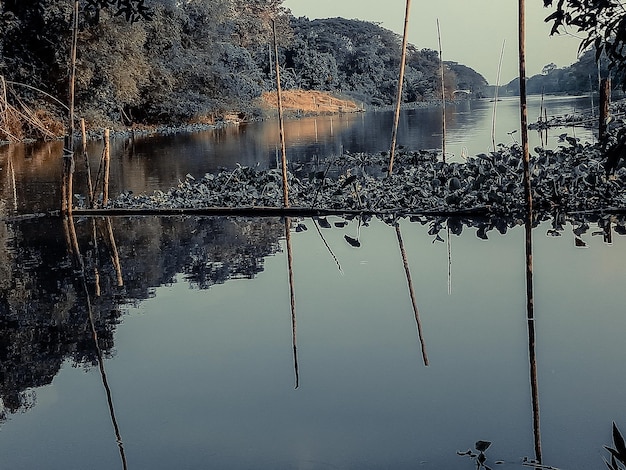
(472,31)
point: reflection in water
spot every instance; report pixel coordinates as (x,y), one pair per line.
(530,316)
(292,299)
(73,249)
(49,315)
(409,281)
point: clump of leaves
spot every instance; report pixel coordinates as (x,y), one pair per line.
(618,453)
(481,458)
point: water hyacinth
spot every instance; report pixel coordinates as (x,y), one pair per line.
(571,178)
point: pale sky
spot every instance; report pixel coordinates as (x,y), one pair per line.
(472,31)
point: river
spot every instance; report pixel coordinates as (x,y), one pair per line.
(180,343)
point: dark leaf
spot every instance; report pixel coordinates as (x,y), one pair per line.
(352,241)
(620,447)
(482,446)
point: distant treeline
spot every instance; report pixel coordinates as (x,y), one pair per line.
(581,77)
(203,59)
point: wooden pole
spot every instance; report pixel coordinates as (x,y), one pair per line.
(495,98)
(107,167)
(68,152)
(524,104)
(396,119)
(87,167)
(605,98)
(281,123)
(443,97)
(530,303)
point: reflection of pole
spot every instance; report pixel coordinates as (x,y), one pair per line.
(409,281)
(114,254)
(75,250)
(449,246)
(532,358)
(281,123)
(396,118)
(292,297)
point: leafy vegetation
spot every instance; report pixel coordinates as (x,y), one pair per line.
(165,61)
(602,21)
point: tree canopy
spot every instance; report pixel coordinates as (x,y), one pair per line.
(602,21)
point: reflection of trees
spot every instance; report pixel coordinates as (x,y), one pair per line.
(44,320)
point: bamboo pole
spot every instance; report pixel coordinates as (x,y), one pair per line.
(524,104)
(107,168)
(409,281)
(281,123)
(68,151)
(495,98)
(87,167)
(605,98)
(292,298)
(396,119)
(443,97)
(4,105)
(530,302)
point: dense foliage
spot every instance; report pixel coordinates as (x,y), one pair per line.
(361,59)
(178,61)
(602,21)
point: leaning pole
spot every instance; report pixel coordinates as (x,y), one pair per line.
(396,119)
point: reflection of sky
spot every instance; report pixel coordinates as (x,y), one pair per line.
(204,379)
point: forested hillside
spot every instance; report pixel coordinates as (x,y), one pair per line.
(199,60)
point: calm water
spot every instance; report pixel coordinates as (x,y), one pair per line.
(148,164)
(199,353)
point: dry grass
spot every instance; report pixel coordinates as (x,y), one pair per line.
(309,102)
(18,121)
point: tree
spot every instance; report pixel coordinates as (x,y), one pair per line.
(548,69)
(603,22)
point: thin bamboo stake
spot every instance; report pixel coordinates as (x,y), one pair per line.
(73,75)
(396,119)
(87,167)
(443,97)
(495,98)
(4,105)
(409,281)
(530,302)
(524,104)
(281,122)
(107,168)
(68,151)
(12,176)
(605,98)
(292,298)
